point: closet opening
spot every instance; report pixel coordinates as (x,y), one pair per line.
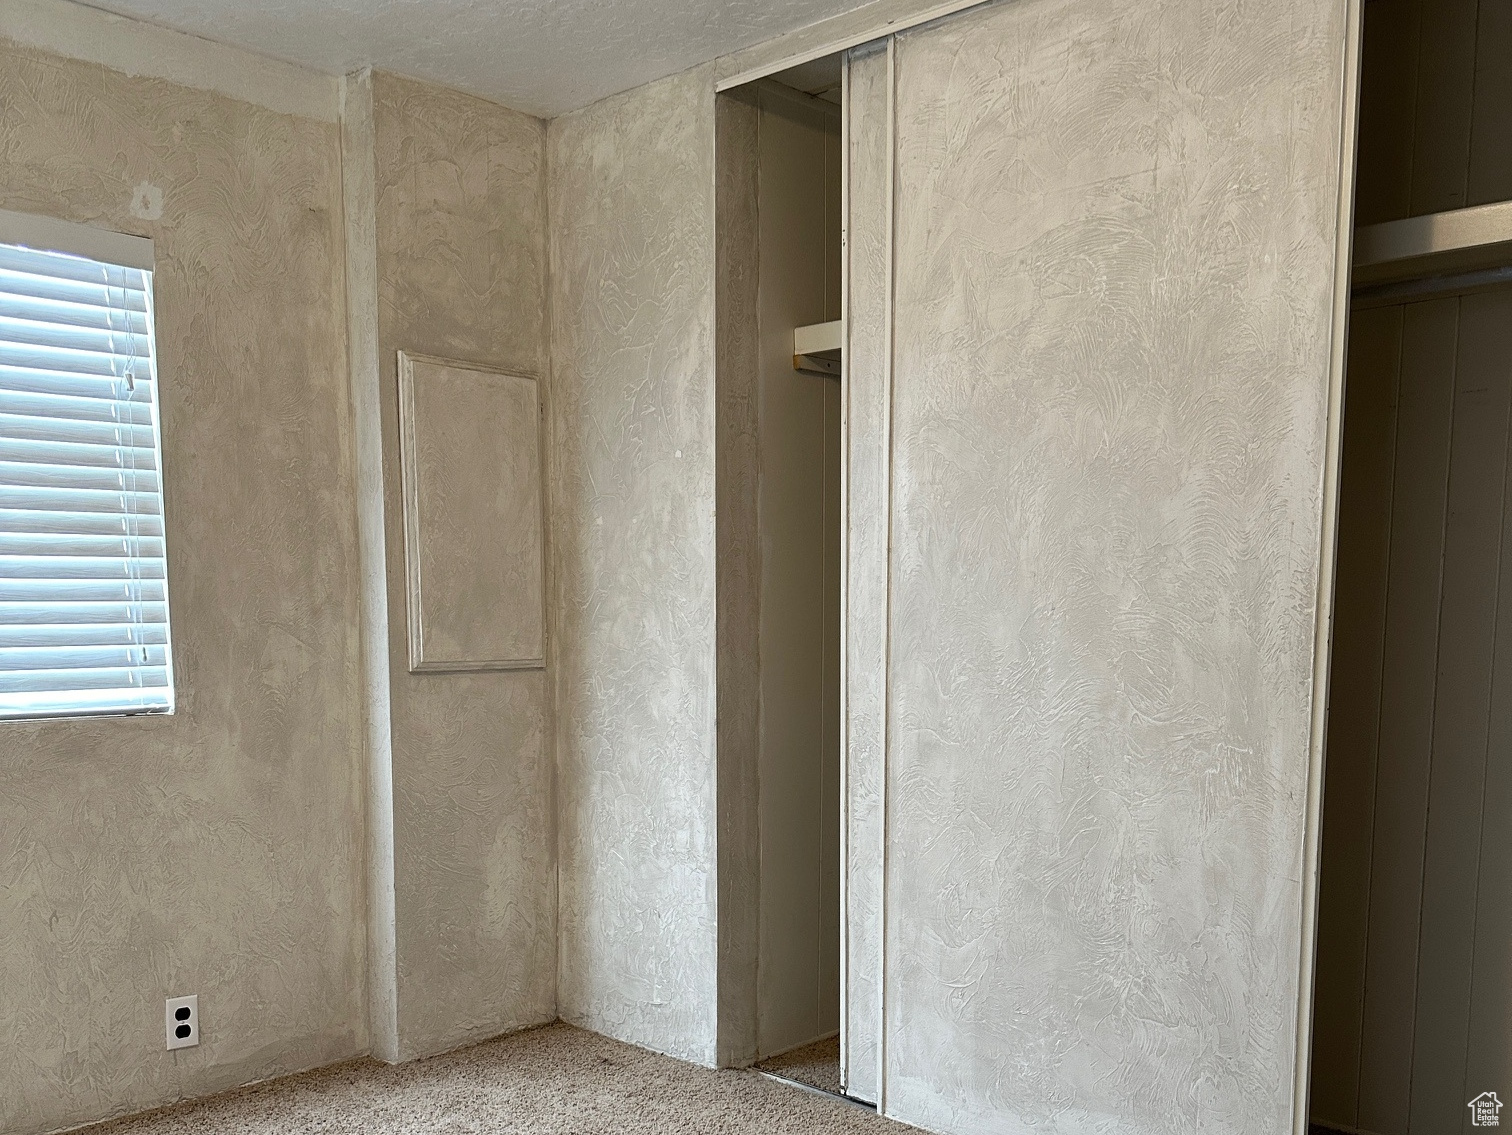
(779,539)
(1412,1005)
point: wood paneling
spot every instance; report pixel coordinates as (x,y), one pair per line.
(1491,139)
(1472,546)
(1488,1053)
(1421,787)
(1436,84)
(1446,95)
(1414,581)
(1354,708)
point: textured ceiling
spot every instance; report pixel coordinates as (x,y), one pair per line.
(540,56)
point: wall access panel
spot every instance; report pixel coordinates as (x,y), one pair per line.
(471,460)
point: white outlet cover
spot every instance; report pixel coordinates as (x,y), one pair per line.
(176,1019)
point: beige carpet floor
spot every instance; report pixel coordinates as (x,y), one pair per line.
(817,1065)
(557,1080)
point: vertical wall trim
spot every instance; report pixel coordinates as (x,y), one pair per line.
(845,571)
(887,701)
(1328,541)
(360,211)
(548,535)
(554,466)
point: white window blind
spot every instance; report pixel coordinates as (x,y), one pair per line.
(83,579)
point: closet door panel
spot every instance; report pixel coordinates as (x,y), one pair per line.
(867,405)
(1114,247)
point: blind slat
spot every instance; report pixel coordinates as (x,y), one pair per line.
(71,431)
(120,340)
(30,285)
(83,634)
(79,360)
(64,266)
(70,611)
(58,314)
(104,677)
(38,591)
(82,703)
(36,659)
(107,569)
(24,522)
(25,474)
(126,451)
(56,545)
(83,587)
(79,500)
(136,411)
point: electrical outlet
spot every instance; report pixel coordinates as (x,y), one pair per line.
(182,1017)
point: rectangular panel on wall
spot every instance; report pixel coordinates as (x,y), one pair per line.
(474,555)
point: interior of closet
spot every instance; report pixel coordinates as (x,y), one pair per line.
(1412,1029)
(778,466)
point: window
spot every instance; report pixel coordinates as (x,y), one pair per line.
(83,579)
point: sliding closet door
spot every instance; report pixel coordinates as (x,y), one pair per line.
(865,388)
(1098,335)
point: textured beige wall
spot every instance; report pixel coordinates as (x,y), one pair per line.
(217,851)
(632,310)
(461,267)
(1116,232)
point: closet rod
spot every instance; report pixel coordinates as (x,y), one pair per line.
(1434,245)
(1429,287)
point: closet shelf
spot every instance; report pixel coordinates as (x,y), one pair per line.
(1437,244)
(816,348)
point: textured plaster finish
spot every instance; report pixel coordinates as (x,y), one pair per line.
(216,851)
(1116,232)
(461,223)
(868,405)
(474,545)
(542,56)
(632,307)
